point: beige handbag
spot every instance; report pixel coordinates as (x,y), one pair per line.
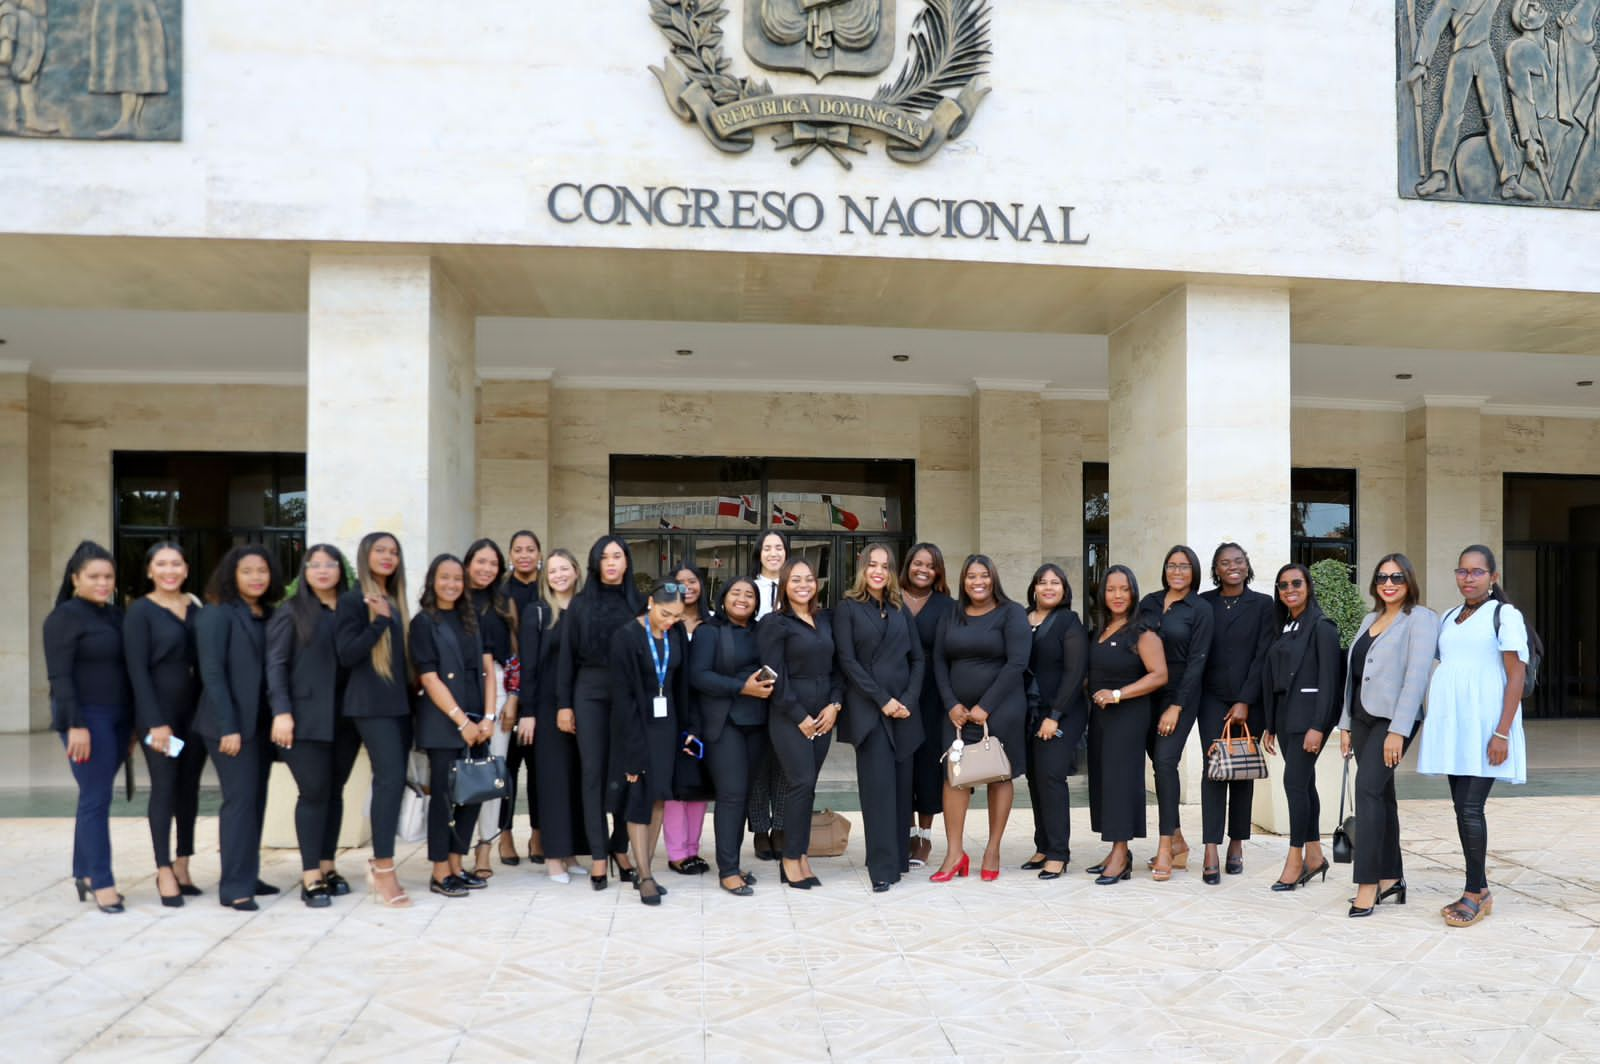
(830,834)
(975,764)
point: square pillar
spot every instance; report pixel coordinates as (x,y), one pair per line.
(1007,478)
(391,405)
(1200,441)
(1444,510)
(513,458)
(25,534)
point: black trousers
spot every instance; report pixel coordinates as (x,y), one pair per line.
(884,780)
(802,760)
(1377,809)
(1222,804)
(591,699)
(522,766)
(244,810)
(1300,788)
(320,770)
(449,826)
(174,796)
(732,759)
(1049,765)
(1166,751)
(927,771)
(1469,793)
(388,743)
(767,789)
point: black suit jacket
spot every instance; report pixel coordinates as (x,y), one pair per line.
(881,658)
(233,665)
(721,658)
(1300,686)
(303,681)
(163,666)
(460,667)
(366,693)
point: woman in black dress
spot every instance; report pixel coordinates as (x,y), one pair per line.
(497,627)
(768,786)
(926,593)
(1231,693)
(728,711)
(522,585)
(305,687)
(649,708)
(1184,622)
(164,670)
(1302,698)
(880,655)
(980,660)
(1126,666)
(608,601)
(797,643)
(454,718)
(553,750)
(1057,715)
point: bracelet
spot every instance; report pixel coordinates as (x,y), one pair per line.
(1116,696)
(1500,735)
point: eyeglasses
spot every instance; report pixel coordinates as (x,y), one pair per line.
(1397,579)
(675,589)
(1178,567)
(1476,574)
(1285,585)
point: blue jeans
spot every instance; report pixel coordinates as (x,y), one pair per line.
(109,728)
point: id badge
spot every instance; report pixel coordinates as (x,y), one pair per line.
(658,707)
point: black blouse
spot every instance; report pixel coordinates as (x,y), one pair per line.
(521,595)
(492,628)
(1058,666)
(84,659)
(163,665)
(1185,632)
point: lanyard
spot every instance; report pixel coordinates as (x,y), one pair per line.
(661,660)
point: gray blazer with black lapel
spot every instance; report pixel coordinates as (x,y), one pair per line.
(1399,662)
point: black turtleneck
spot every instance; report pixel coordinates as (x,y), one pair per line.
(83,657)
(588,625)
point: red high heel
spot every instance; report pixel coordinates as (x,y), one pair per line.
(989,875)
(961,869)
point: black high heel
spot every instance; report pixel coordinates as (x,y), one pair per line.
(1033,864)
(1356,912)
(1106,879)
(189,890)
(1307,874)
(649,899)
(1397,892)
(797,884)
(1235,865)
(1211,876)
(626,875)
(83,889)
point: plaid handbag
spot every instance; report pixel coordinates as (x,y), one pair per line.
(1233,758)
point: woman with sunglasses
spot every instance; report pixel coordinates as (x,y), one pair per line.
(1300,692)
(1474,734)
(1389,664)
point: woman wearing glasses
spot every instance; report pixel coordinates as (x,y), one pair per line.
(1389,663)
(1474,734)
(1183,620)
(1300,684)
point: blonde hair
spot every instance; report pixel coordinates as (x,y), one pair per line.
(858,590)
(383,649)
(544,582)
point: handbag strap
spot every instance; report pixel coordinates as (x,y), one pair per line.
(1344,785)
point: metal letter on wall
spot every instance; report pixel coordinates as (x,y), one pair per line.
(91,69)
(1497,101)
(931,100)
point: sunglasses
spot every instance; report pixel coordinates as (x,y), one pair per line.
(1397,579)
(675,589)
(1285,585)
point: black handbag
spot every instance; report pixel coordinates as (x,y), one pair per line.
(1344,836)
(474,780)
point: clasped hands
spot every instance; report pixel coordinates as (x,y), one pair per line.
(822,723)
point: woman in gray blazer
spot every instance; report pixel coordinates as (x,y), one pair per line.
(1389,664)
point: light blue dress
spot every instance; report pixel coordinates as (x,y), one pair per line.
(1467,693)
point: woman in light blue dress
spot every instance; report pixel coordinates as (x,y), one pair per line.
(1474,724)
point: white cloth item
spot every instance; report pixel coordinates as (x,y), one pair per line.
(766,596)
(499,743)
(1467,693)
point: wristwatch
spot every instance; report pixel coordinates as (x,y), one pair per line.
(1116,696)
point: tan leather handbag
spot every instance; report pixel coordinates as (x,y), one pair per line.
(830,834)
(976,764)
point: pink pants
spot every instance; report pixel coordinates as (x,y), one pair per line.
(681,823)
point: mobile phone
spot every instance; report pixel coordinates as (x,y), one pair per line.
(694,746)
(766,672)
(174,745)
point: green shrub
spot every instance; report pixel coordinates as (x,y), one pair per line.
(1339,597)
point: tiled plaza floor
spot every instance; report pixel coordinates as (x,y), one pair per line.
(1017,969)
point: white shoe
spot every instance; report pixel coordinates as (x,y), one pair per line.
(560,877)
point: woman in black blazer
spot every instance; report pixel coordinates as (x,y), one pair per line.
(926,593)
(1231,692)
(164,671)
(234,718)
(728,711)
(370,636)
(1301,696)
(549,748)
(522,585)
(981,662)
(89,709)
(649,708)
(880,655)
(796,642)
(455,714)
(305,687)
(1058,713)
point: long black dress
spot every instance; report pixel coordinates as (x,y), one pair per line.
(1116,738)
(558,811)
(642,743)
(927,774)
(981,662)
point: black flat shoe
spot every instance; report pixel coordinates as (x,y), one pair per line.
(687,866)
(243,905)
(337,885)
(471,880)
(1211,877)
(264,888)
(1104,880)
(450,887)
(1033,864)
(316,897)
(748,877)
(171,901)
(881,887)
(1356,912)
(189,890)
(762,842)
(1235,866)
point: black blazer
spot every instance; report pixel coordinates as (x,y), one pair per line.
(1056,671)
(881,658)
(233,668)
(721,659)
(803,658)
(1300,686)
(366,693)
(457,657)
(1239,642)
(163,666)
(304,681)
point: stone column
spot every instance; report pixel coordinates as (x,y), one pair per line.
(1444,510)
(24,534)
(513,458)
(1199,439)
(1007,473)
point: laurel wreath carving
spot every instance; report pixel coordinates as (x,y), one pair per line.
(949,47)
(694,29)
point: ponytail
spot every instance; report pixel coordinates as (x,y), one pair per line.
(1496,592)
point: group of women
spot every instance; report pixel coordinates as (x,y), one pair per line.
(620,713)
